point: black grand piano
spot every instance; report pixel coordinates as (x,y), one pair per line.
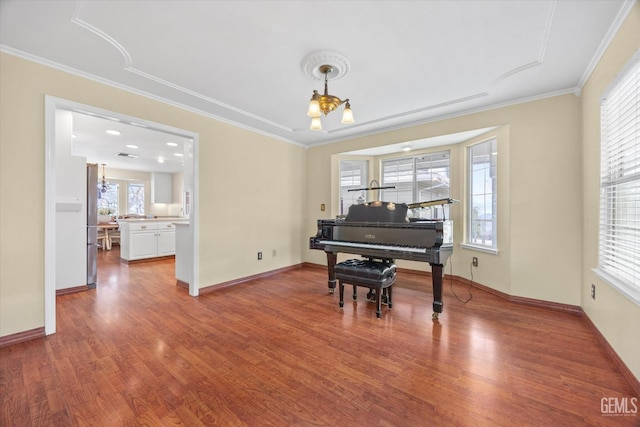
(381,230)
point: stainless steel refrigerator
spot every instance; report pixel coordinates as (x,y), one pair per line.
(92,224)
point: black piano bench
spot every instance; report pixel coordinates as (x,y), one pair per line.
(374,275)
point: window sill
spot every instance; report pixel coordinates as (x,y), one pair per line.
(479,248)
(625,289)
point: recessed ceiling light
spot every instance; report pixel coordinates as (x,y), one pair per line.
(406,149)
(113,132)
(160,160)
(172,144)
(178,154)
(132,146)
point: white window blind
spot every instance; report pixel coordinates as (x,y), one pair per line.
(619,249)
(418,179)
(398,173)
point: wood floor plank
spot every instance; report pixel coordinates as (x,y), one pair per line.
(278,350)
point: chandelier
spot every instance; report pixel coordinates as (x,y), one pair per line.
(326,65)
(105,185)
(326,103)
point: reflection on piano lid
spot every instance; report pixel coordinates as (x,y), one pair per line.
(429,203)
(381,247)
(387,212)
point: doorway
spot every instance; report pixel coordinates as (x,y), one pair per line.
(53,106)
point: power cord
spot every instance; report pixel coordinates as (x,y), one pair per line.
(451,284)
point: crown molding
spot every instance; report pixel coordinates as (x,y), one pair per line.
(57,66)
(613,30)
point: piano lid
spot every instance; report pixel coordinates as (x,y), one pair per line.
(378,212)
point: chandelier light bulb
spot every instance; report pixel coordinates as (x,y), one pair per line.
(314,105)
(316,124)
(347,114)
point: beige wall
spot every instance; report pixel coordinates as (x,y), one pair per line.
(246,204)
(615,315)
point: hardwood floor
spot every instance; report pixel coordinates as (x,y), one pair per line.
(278,351)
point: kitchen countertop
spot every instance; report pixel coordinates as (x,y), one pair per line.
(162,219)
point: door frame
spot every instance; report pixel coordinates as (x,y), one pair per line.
(190,173)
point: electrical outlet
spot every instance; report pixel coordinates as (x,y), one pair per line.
(273,253)
(474,261)
(259,256)
(593,291)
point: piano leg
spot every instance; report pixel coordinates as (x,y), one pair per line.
(331,269)
(436,277)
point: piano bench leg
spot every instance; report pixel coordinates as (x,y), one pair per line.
(355,292)
(341,290)
(378,302)
(371,295)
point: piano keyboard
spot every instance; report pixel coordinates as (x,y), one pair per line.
(370,246)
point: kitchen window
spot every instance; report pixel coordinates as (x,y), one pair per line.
(108,200)
(619,237)
(135,198)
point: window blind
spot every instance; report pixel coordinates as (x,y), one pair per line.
(418,179)
(619,245)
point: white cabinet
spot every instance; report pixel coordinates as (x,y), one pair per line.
(166,244)
(161,191)
(147,239)
(143,244)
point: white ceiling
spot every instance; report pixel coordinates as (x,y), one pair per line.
(241,61)
(154,150)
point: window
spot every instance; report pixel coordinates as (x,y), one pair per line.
(619,263)
(108,201)
(135,199)
(418,179)
(353,174)
(483,184)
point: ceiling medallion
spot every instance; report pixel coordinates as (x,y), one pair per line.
(339,63)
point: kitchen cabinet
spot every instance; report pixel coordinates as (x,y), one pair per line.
(161,191)
(166,244)
(145,239)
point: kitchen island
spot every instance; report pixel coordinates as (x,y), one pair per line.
(148,238)
(184,255)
